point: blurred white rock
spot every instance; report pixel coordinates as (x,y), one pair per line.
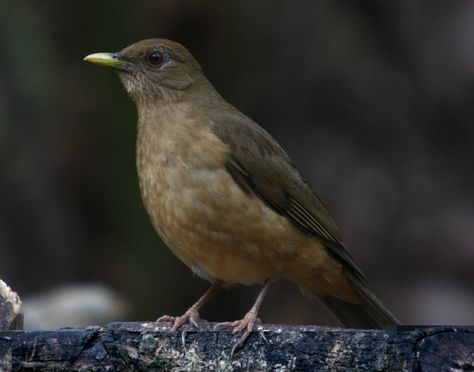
(11,312)
(73,306)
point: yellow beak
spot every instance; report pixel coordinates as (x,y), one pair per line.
(107,59)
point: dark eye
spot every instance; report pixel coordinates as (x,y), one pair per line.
(155,58)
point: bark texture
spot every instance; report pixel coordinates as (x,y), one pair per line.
(151,347)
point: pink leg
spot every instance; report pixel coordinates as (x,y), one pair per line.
(191,316)
(249,320)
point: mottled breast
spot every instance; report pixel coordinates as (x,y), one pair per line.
(205,218)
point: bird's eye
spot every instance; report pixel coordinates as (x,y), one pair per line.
(155,58)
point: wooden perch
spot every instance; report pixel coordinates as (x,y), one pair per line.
(148,346)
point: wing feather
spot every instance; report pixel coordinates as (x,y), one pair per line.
(260,166)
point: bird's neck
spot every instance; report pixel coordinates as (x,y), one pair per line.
(178,106)
(178,134)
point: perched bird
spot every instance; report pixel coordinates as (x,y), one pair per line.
(225,197)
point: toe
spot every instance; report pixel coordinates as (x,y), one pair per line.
(241,341)
(240,326)
(191,316)
(226,325)
(178,323)
(165,318)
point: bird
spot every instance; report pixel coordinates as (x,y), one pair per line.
(226,198)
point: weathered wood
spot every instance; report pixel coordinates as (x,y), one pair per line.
(11,314)
(148,346)
(5,354)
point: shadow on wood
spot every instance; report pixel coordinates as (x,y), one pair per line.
(148,346)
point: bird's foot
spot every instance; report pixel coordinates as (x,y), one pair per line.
(191,316)
(245,324)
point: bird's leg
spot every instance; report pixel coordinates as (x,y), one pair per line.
(191,316)
(247,323)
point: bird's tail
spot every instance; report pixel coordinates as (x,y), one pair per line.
(368,313)
(350,300)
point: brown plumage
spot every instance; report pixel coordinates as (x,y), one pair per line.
(224,196)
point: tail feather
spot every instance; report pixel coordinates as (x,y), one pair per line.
(343,290)
(369,313)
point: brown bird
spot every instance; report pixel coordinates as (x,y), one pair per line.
(225,197)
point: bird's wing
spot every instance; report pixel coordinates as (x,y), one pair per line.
(260,166)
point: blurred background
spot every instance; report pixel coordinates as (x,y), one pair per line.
(373,100)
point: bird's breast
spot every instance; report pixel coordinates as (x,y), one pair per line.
(206,219)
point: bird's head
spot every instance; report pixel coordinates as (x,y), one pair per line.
(153,70)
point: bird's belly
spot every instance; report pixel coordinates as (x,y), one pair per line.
(216,228)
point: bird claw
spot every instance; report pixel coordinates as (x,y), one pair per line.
(245,324)
(191,316)
(248,322)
